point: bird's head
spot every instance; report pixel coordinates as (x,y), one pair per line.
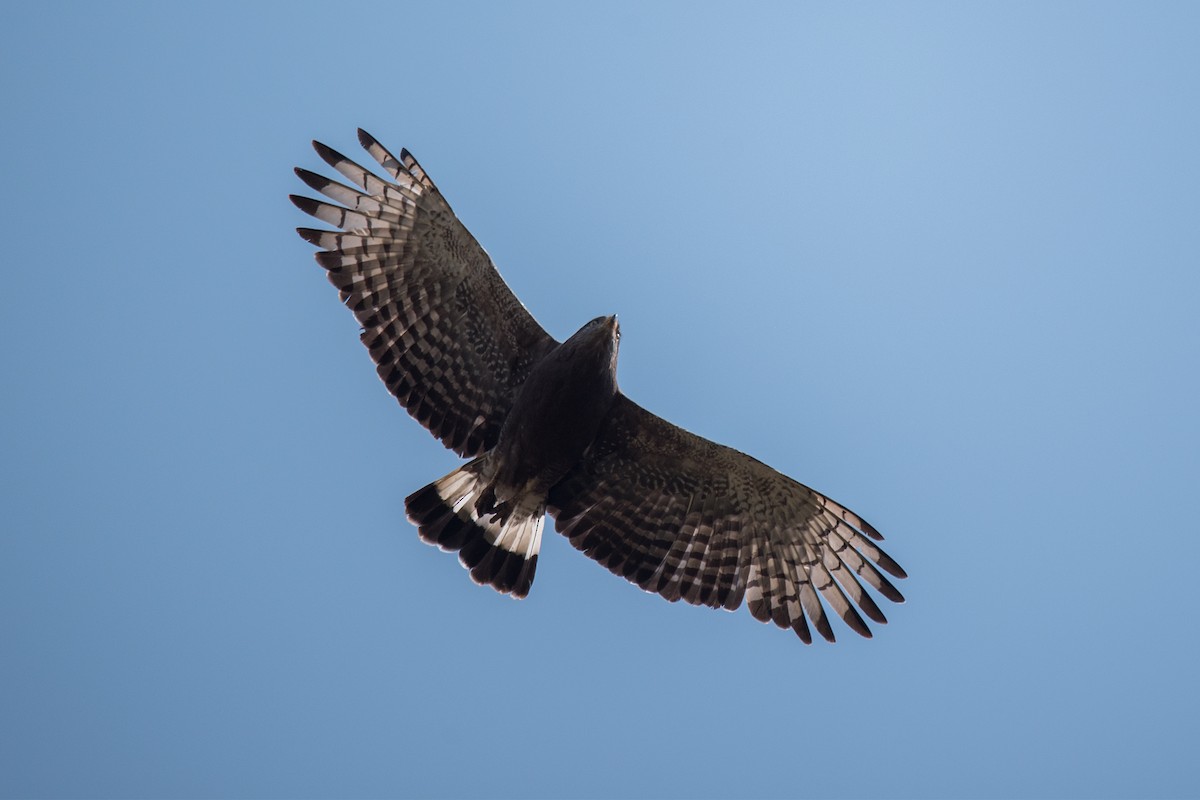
(601,338)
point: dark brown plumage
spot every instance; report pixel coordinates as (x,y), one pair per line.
(546,428)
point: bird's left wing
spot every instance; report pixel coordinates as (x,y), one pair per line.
(690,519)
(448,337)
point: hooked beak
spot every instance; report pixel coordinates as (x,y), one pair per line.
(610,324)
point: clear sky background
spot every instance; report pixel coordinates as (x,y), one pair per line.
(939,261)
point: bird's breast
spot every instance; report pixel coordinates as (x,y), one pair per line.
(555,416)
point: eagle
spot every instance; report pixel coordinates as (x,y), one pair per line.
(547,430)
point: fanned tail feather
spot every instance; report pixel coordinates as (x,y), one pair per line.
(500,550)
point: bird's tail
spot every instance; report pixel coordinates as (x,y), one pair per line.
(498,544)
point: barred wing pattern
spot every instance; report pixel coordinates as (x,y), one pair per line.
(448,337)
(690,519)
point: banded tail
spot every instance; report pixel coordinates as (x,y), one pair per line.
(499,547)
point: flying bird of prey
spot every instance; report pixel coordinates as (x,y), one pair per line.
(547,430)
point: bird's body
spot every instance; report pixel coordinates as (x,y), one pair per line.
(547,429)
(491,510)
(559,408)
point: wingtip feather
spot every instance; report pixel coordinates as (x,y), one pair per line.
(327,153)
(890,566)
(312,179)
(306,204)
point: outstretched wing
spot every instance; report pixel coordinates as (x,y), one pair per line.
(449,338)
(694,520)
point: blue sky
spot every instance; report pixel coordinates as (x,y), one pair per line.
(939,261)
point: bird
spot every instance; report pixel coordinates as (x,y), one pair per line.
(546,429)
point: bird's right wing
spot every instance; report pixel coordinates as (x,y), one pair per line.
(448,337)
(690,519)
